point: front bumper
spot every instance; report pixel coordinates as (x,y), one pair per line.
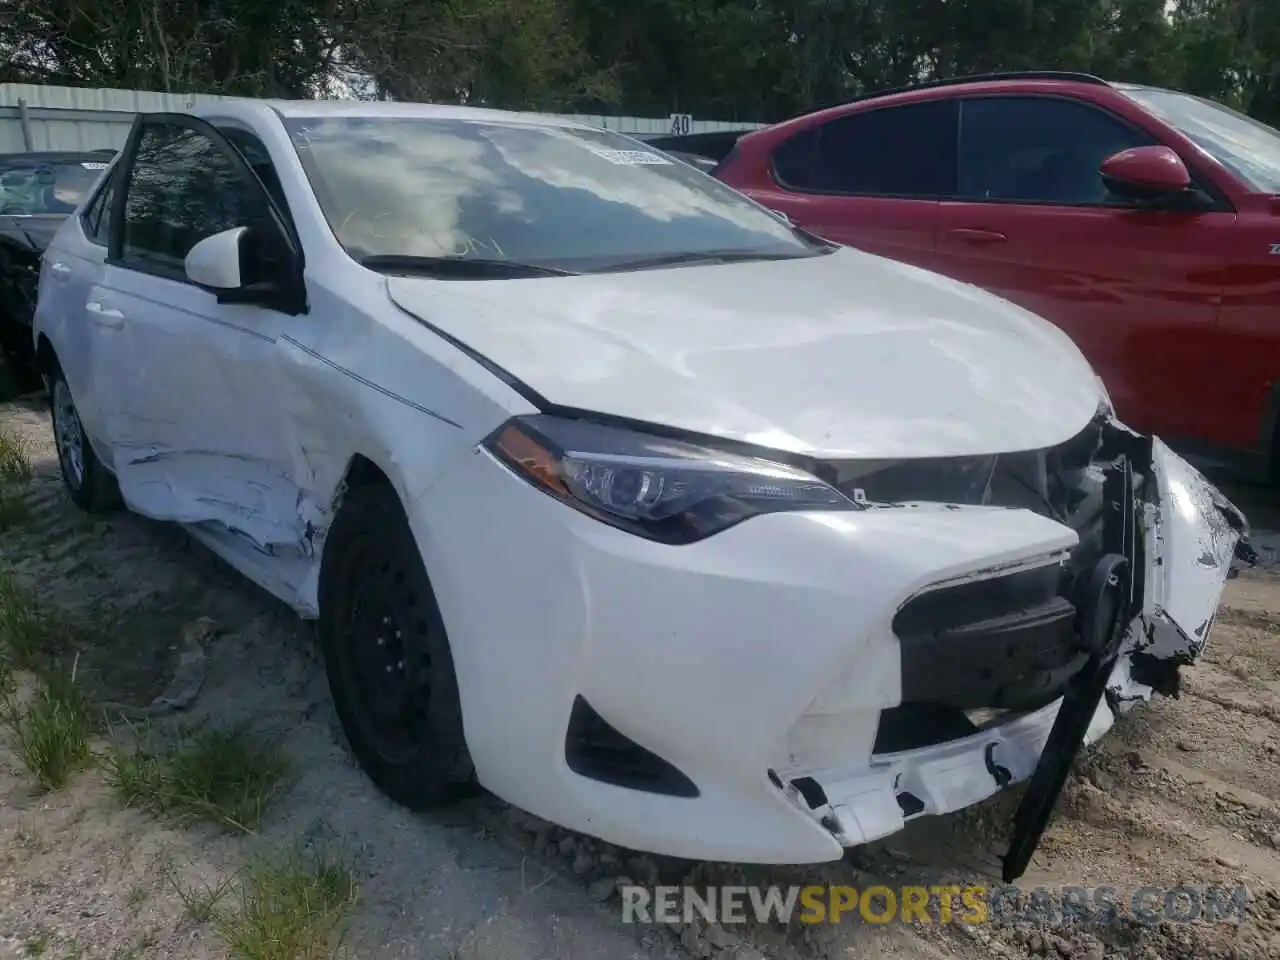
(746,679)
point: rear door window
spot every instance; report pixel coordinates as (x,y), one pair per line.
(904,151)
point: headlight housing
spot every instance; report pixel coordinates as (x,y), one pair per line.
(664,490)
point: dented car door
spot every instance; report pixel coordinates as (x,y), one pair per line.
(197,437)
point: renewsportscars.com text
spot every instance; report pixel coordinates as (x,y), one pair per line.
(974,904)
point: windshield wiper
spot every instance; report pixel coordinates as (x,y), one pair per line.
(704,256)
(459,267)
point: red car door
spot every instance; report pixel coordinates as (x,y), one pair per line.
(1137,290)
(869,179)
(1246,397)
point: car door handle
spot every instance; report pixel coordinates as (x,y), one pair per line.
(105,316)
(978,235)
(60,271)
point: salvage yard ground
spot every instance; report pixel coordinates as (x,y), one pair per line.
(198,800)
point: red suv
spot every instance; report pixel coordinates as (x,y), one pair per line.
(1144,222)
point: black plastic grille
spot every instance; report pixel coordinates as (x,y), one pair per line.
(1011,641)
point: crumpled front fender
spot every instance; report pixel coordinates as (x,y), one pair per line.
(1173,537)
(1192,537)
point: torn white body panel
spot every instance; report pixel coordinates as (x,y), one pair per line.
(198,486)
(194,432)
(1192,536)
(894,789)
(276,480)
(1191,532)
(246,420)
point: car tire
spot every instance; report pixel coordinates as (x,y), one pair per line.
(91,486)
(387,655)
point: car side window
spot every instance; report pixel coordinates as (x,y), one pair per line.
(182,188)
(793,160)
(906,151)
(1044,150)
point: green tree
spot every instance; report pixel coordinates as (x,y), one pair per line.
(728,59)
(501,53)
(1230,50)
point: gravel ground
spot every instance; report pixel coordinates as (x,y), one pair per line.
(1183,792)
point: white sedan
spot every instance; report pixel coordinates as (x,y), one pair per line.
(611,491)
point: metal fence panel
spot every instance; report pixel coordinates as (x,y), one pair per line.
(36,117)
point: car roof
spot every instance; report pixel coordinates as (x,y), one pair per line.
(290,109)
(1149,88)
(1002,78)
(945,88)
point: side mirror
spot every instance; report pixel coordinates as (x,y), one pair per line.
(1146,174)
(245,265)
(214,262)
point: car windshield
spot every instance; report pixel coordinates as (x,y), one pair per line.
(552,197)
(30,186)
(1247,148)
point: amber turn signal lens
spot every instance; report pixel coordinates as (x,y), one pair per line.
(535,460)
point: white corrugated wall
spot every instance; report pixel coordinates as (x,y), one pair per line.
(94,118)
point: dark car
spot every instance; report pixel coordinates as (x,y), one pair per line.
(37,192)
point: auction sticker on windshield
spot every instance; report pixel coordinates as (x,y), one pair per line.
(629,157)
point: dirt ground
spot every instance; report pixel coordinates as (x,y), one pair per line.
(1182,792)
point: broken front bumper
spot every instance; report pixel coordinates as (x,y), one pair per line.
(731,699)
(1164,574)
(1144,610)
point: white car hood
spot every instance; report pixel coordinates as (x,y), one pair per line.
(844,356)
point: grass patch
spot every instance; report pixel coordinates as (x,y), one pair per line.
(29,635)
(220,776)
(201,905)
(15,473)
(290,908)
(52,729)
(15,462)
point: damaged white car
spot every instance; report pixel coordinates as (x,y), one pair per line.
(610,490)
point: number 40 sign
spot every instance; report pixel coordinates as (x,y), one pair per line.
(681,124)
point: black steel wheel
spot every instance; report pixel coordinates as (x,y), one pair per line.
(387,656)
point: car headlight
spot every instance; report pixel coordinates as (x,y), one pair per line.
(665,490)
